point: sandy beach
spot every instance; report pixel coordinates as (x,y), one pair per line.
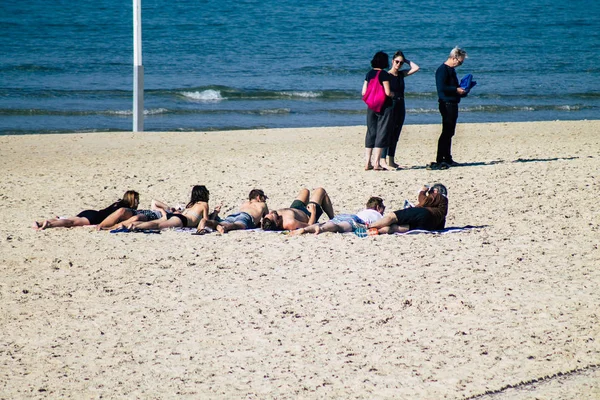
(509,310)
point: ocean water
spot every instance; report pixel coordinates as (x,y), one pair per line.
(211,65)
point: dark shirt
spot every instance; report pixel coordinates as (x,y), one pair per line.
(446,82)
(397,85)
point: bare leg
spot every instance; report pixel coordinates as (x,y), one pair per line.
(158,224)
(336,227)
(225,227)
(392,163)
(303,195)
(394,229)
(129,222)
(321,197)
(387,220)
(368,153)
(61,223)
(380,163)
(121,214)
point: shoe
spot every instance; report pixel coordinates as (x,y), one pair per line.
(453,163)
(437,166)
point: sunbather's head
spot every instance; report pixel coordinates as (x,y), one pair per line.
(131,199)
(199,194)
(441,189)
(376,203)
(254,193)
(272,222)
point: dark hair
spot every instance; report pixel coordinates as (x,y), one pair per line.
(256,192)
(398,54)
(380,60)
(374,202)
(199,193)
(129,199)
(269,225)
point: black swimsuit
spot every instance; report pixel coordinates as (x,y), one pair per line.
(182,217)
(97,216)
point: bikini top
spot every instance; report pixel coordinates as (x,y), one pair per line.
(191,213)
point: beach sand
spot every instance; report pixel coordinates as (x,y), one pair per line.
(506,311)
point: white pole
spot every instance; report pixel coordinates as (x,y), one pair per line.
(138,69)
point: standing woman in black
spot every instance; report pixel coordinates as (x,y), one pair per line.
(397,75)
(377,122)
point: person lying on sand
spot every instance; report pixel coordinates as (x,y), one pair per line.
(248,217)
(127,216)
(305,210)
(130,200)
(429,213)
(348,222)
(195,211)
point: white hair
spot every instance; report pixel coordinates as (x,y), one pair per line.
(458,52)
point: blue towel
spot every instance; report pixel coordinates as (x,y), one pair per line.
(467,83)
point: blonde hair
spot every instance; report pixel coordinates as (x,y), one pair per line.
(129,199)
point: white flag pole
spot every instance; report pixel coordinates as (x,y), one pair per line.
(138,69)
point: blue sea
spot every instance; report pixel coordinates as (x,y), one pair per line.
(67,66)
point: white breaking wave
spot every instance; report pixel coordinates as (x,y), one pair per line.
(309,95)
(152,111)
(205,96)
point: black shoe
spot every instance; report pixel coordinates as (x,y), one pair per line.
(437,166)
(453,163)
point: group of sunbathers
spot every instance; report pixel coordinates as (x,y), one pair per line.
(302,216)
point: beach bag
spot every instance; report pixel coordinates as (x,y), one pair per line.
(375,95)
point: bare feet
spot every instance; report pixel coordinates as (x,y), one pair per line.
(368,167)
(221,229)
(36,225)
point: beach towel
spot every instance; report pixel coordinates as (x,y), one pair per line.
(127,230)
(467,83)
(441,231)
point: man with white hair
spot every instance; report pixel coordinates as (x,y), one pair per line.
(449,94)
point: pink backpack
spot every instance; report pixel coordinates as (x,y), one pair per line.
(375,95)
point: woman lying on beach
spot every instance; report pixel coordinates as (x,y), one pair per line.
(195,211)
(125,216)
(130,200)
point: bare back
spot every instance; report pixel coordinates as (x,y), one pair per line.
(196,212)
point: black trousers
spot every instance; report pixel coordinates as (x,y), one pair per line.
(449,113)
(398,115)
(378,128)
